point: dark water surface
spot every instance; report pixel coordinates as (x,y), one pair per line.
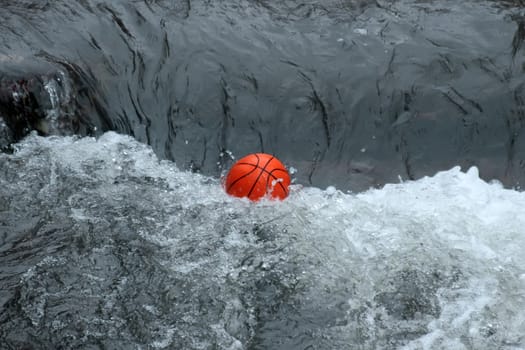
(350,93)
(105,243)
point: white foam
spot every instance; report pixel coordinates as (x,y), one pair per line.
(452,221)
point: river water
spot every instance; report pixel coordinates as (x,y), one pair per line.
(402,121)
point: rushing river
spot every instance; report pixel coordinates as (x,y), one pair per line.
(402,120)
(353,93)
(106,247)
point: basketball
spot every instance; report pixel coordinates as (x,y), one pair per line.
(258,175)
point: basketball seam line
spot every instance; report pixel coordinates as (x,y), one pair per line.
(256,166)
(263,169)
(276,178)
(269,173)
(243,176)
(258,177)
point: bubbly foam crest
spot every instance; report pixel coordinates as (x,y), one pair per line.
(435,263)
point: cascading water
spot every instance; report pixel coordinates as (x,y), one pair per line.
(110,241)
(105,246)
(354,93)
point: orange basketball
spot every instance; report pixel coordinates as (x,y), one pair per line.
(256,175)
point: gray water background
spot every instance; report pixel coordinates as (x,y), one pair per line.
(350,93)
(103,246)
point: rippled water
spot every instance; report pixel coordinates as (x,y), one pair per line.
(103,246)
(354,93)
(110,241)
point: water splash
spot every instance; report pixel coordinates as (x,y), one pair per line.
(127,250)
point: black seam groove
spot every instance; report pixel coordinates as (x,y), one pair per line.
(263,169)
(258,177)
(243,176)
(276,178)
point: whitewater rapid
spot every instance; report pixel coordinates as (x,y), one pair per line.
(104,245)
